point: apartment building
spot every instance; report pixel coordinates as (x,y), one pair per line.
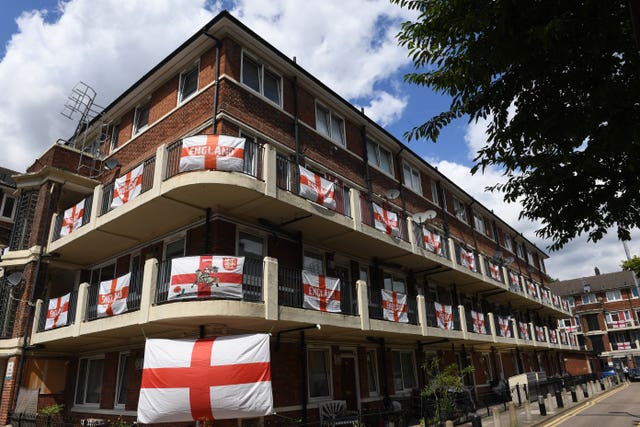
(311,191)
(605,316)
(7,205)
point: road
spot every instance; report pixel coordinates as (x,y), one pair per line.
(621,408)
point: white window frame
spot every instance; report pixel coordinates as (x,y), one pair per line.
(173,239)
(395,280)
(478,223)
(460,210)
(316,254)
(327,352)
(530,259)
(413,182)
(6,196)
(341,138)
(377,162)
(86,381)
(114,137)
(520,252)
(119,379)
(261,73)
(435,198)
(610,314)
(591,297)
(182,98)
(136,129)
(614,295)
(372,363)
(402,371)
(507,242)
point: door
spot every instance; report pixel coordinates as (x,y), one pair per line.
(349,384)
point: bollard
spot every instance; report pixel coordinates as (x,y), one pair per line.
(601,385)
(495,411)
(543,410)
(585,393)
(476,421)
(449,423)
(549,403)
(513,416)
(574,396)
(527,410)
(559,402)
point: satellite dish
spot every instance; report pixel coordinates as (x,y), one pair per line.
(14,279)
(111,164)
(392,194)
(508,260)
(422,217)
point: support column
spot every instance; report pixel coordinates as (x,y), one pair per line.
(270,288)
(148,291)
(270,170)
(363,305)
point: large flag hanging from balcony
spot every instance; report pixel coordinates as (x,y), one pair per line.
(477,319)
(206,276)
(385,220)
(494,271)
(540,333)
(572,339)
(556,300)
(531,289)
(317,189)
(621,322)
(214,152)
(565,304)
(467,259)
(563,337)
(524,330)
(58,312)
(432,242)
(127,187)
(394,306)
(444,315)
(205,379)
(514,281)
(625,345)
(72,218)
(321,292)
(112,296)
(553,336)
(504,326)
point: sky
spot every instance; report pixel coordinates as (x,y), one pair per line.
(48,46)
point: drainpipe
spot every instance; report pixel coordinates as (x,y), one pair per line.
(305,380)
(443,209)
(401,181)
(296,120)
(216,82)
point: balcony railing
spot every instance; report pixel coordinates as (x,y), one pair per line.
(147,184)
(623,345)
(86,216)
(71,315)
(251,282)
(376,311)
(133,297)
(621,324)
(8,307)
(459,259)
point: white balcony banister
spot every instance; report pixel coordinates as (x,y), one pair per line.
(148,291)
(492,326)
(270,170)
(363,305)
(463,320)
(356,210)
(422,313)
(270,287)
(81,308)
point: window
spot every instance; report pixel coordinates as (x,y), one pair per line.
(404,371)
(530,258)
(485,364)
(434,193)
(250,154)
(313,262)
(100,274)
(508,242)
(634,292)
(478,223)
(379,157)
(618,319)
(564,323)
(460,210)
(412,178)
(188,85)
(89,382)
(260,79)
(174,249)
(7,206)
(330,125)
(364,274)
(319,373)
(394,283)
(614,295)
(571,300)
(372,372)
(121,381)
(588,298)
(115,132)
(520,250)
(141,118)
(250,246)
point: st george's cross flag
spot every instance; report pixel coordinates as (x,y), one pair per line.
(621,322)
(444,315)
(514,281)
(572,339)
(477,319)
(556,300)
(432,242)
(205,379)
(532,289)
(58,312)
(540,333)
(212,152)
(565,304)
(524,330)
(317,189)
(504,326)
(112,296)
(467,259)
(553,336)
(494,271)
(385,220)
(127,187)
(625,345)
(206,276)
(72,218)
(321,292)
(394,306)
(563,338)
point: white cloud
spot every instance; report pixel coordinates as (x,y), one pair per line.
(386,108)
(110,44)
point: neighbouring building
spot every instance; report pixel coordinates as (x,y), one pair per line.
(606,314)
(424,269)
(7,206)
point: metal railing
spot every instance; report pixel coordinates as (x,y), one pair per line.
(8,307)
(133,297)
(71,314)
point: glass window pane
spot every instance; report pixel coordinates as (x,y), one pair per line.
(397,371)
(372,153)
(372,373)
(322,120)
(175,249)
(337,130)
(388,282)
(94,381)
(123,370)
(82,378)
(7,208)
(188,83)
(251,73)
(385,161)
(250,246)
(318,373)
(313,263)
(272,86)
(407,371)
(142,117)
(434,193)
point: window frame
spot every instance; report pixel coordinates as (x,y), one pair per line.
(612,292)
(378,163)
(395,279)
(85,380)
(411,354)
(261,74)
(435,198)
(195,66)
(582,298)
(341,140)
(329,374)
(414,173)
(3,203)
(520,252)
(633,292)
(120,379)
(172,240)
(114,137)
(318,255)
(372,369)
(507,242)
(460,210)
(479,224)
(137,128)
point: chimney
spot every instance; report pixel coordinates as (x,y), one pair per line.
(597,270)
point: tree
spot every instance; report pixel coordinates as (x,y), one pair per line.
(632,264)
(443,387)
(559,85)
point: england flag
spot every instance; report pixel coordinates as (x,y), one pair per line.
(504,325)
(444,315)
(385,221)
(58,312)
(467,259)
(317,189)
(127,187)
(212,152)
(320,292)
(72,218)
(394,306)
(206,276)
(432,242)
(112,296)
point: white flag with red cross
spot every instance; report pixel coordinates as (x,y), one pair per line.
(444,315)
(127,187)
(321,292)
(514,281)
(621,322)
(556,300)
(563,338)
(212,152)
(477,318)
(531,289)
(432,242)
(58,312)
(112,296)
(504,325)
(206,276)
(524,330)
(467,259)
(317,189)
(385,220)
(625,345)
(72,218)
(205,379)
(494,271)
(572,339)
(540,333)
(553,336)
(565,304)
(394,306)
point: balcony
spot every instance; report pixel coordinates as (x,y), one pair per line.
(266,193)
(617,325)
(271,298)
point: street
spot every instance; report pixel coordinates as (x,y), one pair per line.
(621,408)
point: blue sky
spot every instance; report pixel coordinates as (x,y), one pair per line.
(348,44)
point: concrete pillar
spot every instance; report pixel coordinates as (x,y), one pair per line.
(415,246)
(549,400)
(422,313)
(270,170)
(492,326)
(527,410)
(148,291)
(483,269)
(160,167)
(495,411)
(463,320)
(363,305)
(514,331)
(513,416)
(81,308)
(270,288)
(36,317)
(96,204)
(356,210)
